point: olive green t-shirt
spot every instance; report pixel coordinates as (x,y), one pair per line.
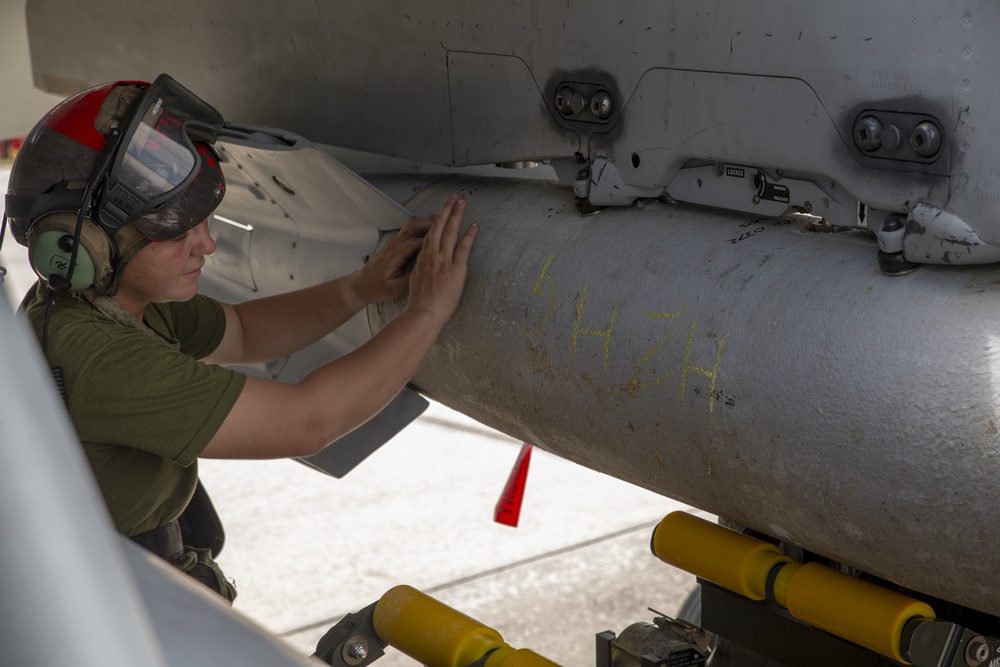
(144,406)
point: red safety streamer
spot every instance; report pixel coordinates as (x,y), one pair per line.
(508,508)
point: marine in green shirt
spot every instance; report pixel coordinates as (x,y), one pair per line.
(111,195)
(142,404)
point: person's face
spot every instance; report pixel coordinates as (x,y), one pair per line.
(166,270)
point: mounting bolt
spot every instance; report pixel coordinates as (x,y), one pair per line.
(926,139)
(977,652)
(868,134)
(358,651)
(600,105)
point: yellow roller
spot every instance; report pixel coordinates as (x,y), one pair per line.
(438,636)
(521,657)
(856,610)
(722,556)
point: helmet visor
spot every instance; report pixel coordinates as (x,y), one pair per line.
(202,196)
(156,159)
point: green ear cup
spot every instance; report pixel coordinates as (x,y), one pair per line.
(50,257)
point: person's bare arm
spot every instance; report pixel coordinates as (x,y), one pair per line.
(273,327)
(272,419)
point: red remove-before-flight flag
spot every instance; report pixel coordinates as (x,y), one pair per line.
(508,508)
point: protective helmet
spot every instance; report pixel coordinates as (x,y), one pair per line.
(130,161)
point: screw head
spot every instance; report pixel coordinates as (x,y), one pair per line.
(600,105)
(563,99)
(926,139)
(868,134)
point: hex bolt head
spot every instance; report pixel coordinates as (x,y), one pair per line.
(868,134)
(982,652)
(358,651)
(926,139)
(600,105)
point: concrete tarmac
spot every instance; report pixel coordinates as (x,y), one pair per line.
(306,549)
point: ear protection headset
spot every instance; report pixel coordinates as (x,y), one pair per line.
(53,239)
(50,252)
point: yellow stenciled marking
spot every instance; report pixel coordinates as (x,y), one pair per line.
(712,374)
(635,384)
(544,279)
(602,333)
(658,465)
(545,286)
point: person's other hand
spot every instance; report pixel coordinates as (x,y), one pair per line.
(386,275)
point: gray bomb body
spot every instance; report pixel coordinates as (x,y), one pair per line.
(747,366)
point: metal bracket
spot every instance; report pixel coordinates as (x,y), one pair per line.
(352,642)
(945,644)
(895,135)
(772,632)
(584,102)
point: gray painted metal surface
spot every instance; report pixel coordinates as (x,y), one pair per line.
(847,109)
(746,366)
(194,626)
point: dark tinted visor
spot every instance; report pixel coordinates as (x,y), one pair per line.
(156,159)
(200,198)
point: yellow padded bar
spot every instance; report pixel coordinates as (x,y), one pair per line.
(856,610)
(436,635)
(722,556)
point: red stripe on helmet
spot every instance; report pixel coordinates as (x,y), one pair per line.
(75,116)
